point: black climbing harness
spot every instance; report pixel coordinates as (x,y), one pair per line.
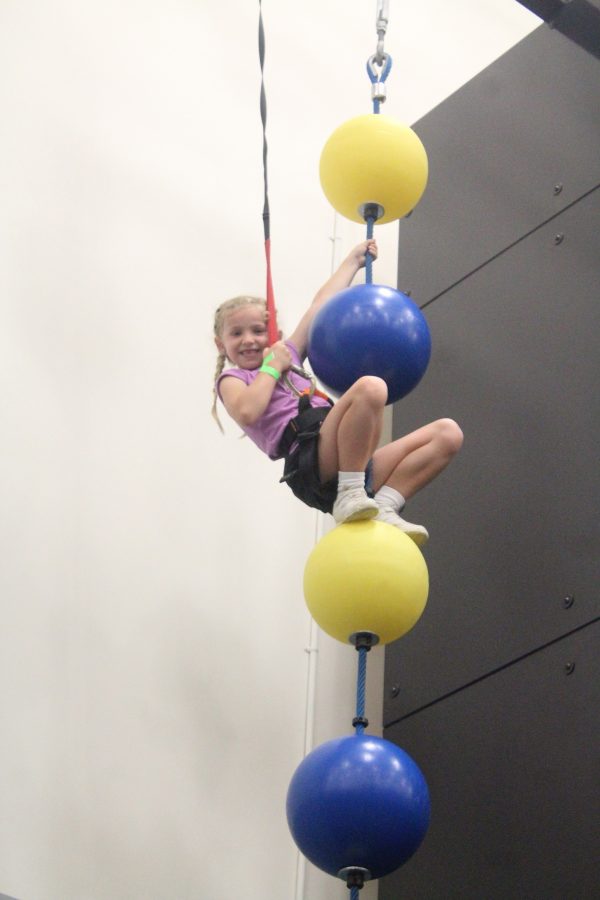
(301,470)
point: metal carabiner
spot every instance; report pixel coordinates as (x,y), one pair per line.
(303,374)
(381,23)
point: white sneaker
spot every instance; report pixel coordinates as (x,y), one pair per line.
(418,533)
(353,504)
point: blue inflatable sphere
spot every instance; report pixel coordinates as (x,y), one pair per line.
(370,329)
(358,801)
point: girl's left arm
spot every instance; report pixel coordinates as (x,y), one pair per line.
(340,279)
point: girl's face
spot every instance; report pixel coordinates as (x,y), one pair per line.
(244,337)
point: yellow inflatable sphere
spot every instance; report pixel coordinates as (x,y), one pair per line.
(373,159)
(366,576)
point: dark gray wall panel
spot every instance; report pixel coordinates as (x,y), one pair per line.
(515,521)
(579,20)
(513,769)
(496,150)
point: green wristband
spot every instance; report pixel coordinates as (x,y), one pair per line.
(270,371)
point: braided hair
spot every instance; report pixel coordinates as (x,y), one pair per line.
(221,314)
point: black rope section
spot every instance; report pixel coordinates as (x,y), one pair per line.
(271,312)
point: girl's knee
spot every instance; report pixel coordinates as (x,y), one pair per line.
(449,434)
(371,388)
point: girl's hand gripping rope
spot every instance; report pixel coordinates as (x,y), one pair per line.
(276,358)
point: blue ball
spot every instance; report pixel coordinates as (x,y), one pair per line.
(358,801)
(370,329)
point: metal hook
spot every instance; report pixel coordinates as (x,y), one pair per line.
(381,23)
(382,17)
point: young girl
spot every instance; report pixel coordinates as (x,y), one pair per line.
(332,459)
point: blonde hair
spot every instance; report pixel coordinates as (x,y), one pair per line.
(222,311)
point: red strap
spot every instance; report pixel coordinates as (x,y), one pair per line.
(272,329)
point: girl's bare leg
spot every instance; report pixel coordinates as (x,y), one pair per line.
(351,431)
(405,466)
(348,439)
(411,462)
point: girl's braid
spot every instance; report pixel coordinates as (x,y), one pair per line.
(220,366)
(221,314)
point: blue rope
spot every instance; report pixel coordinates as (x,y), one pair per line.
(375,78)
(354,893)
(361,686)
(369,258)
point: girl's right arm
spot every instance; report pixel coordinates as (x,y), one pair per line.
(246,403)
(341,279)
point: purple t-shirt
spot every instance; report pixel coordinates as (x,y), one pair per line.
(266,432)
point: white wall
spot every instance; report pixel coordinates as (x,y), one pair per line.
(153,634)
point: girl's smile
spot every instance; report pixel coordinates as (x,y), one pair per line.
(244,337)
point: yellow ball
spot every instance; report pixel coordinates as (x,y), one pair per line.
(373,159)
(366,576)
